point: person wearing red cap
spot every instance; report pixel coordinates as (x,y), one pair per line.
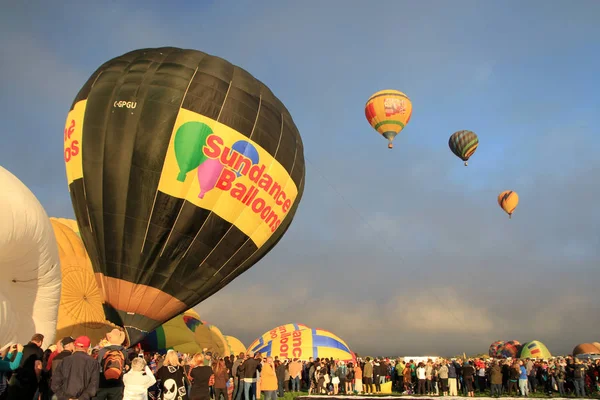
(77,376)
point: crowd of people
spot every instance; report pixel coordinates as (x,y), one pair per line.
(566,376)
(73,370)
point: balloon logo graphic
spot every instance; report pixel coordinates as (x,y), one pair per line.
(208,175)
(247,150)
(189,141)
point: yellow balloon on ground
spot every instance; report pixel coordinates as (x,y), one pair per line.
(178,334)
(388,112)
(302,342)
(508,201)
(80,312)
(226,352)
(235,345)
(276,333)
(185,333)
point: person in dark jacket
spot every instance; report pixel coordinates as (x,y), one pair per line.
(28,373)
(496,380)
(280,368)
(468,373)
(68,345)
(247,371)
(77,376)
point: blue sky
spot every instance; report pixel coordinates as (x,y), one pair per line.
(405,241)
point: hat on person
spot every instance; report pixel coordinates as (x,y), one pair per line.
(67,340)
(82,341)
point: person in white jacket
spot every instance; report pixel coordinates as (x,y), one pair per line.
(138,380)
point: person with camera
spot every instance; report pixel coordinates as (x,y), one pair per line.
(25,381)
(9,361)
(138,380)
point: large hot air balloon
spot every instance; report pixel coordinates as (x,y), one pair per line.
(302,342)
(508,201)
(29,265)
(463,144)
(184,171)
(80,311)
(388,112)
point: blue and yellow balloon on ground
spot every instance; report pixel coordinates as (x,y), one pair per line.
(299,341)
(184,171)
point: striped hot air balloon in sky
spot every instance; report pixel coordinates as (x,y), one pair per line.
(463,144)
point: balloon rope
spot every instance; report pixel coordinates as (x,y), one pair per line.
(383,239)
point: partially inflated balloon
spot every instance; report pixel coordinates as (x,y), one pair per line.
(302,342)
(80,311)
(136,131)
(235,345)
(388,112)
(223,342)
(536,350)
(173,334)
(494,348)
(508,201)
(463,144)
(29,265)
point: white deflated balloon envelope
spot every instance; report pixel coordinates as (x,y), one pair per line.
(30,276)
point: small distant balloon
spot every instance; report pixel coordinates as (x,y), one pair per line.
(463,144)
(388,112)
(508,201)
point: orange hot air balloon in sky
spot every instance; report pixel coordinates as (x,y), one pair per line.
(388,112)
(508,201)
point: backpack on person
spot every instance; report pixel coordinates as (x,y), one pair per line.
(113,363)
